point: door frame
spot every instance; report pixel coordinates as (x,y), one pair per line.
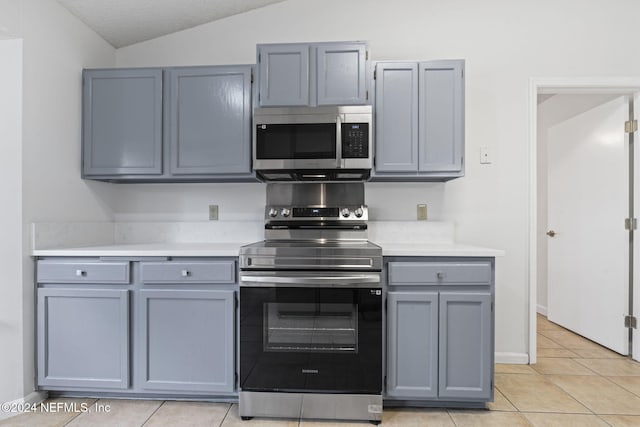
(556,85)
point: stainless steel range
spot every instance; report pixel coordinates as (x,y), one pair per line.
(311,308)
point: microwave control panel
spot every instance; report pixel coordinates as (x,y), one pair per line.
(355,140)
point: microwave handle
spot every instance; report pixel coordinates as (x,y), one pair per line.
(339,160)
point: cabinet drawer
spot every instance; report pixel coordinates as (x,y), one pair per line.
(188,272)
(434,273)
(54,271)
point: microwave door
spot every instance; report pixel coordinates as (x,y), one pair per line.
(297,145)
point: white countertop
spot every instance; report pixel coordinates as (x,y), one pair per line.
(232,249)
(436,249)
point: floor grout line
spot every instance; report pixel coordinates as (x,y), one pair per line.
(153,413)
(225,415)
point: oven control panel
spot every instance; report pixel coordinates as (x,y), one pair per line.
(315,213)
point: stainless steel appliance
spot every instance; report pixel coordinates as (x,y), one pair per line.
(313,143)
(311,308)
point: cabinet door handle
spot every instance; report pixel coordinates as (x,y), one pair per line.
(440,275)
(81,273)
(186,273)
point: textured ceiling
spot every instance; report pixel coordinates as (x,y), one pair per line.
(125,22)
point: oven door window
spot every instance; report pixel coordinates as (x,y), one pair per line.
(310,327)
(296,141)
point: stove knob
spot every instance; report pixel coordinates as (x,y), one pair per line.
(345,212)
(359,212)
(273,212)
(285,212)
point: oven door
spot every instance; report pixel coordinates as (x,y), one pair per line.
(320,337)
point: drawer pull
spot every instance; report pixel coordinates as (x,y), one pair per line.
(186,273)
(81,273)
(440,275)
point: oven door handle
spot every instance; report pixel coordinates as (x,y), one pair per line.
(312,280)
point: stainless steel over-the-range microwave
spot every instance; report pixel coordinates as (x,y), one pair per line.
(332,143)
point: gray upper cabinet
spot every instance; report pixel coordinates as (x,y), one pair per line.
(419,120)
(167,125)
(301,74)
(83,338)
(122,122)
(284,74)
(341,73)
(187,339)
(209,124)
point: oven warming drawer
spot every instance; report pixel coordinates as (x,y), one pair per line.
(311,405)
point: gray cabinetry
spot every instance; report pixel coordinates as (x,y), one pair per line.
(83,338)
(209,119)
(167,125)
(187,340)
(419,120)
(297,74)
(284,74)
(146,326)
(466,347)
(440,329)
(122,122)
(412,344)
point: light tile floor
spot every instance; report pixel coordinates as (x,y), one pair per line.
(575,383)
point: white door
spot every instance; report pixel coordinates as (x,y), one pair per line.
(588,194)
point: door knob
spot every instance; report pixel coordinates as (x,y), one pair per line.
(551,233)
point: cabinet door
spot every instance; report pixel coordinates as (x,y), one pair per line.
(284,74)
(122,122)
(441,124)
(186,340)
(83,338)
(209,119)
(412,344)
(396,117)
(466,350)
(341,73)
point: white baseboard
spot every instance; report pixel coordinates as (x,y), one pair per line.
(512,358)
(541,309)
(29,400)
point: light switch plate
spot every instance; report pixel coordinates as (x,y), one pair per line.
(213,212)
(422,212)
(485,159)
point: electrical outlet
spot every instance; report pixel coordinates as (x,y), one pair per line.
(422,212)
(213,212)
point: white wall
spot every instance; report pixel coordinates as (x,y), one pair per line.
(11,331)
(40,176)
(505,43)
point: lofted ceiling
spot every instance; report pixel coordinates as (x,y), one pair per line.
(125,22)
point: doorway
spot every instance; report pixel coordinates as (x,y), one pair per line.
(578,112)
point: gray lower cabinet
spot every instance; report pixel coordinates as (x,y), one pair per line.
(187,340)
(310,74)
(465,345)
(167,124)
(83,338)
(440,332)
(151,326)
(412,344)
(419,120)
